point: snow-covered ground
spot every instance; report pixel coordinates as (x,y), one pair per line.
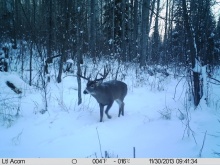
(153,122)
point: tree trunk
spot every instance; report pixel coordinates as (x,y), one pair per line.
(79,52)
(193,56)
(50,30)
(155,44)
(123,32)
(166,32)
(135,31)
(144,32)
(30,63)
(15,27)
(93,31)
(64,39)
(113,29)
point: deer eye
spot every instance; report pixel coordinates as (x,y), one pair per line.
(92,85)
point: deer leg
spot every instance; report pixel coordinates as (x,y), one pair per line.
(121,110)
(121,107)
(107,109)
(101,111)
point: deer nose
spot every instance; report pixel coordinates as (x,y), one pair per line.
(85,92)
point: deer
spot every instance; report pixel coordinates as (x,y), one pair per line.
(106,93)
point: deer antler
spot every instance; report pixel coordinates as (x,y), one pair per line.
(104,75)
(86,78)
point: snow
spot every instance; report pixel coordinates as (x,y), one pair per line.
(70,61)
(68,130)
(198,66)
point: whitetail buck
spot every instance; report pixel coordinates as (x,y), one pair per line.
(106,92)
